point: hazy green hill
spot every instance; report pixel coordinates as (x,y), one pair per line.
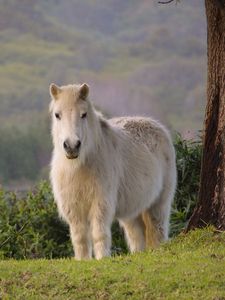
(138,57)
(94,40)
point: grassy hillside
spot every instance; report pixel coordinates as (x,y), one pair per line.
(189,267)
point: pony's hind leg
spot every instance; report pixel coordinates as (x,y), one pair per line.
(152,234)
(135,233)
(159,215)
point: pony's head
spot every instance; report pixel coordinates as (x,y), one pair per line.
(72,114)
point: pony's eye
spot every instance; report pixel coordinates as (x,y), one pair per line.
(57,115)
(83,116)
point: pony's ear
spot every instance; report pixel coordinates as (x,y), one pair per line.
(54,90)
(84,91)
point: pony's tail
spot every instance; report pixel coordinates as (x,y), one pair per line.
(152,236)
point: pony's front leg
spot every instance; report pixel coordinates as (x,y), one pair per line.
(101,234)
(80,237)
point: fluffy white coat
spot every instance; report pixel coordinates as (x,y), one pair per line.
(124,169)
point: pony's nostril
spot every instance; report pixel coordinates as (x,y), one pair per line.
(77,146)
(66,145)
(72,150)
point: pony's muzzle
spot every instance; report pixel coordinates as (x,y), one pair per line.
(72,151)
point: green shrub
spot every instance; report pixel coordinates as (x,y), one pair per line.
(30,226)
(188,160)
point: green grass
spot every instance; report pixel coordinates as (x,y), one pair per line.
(191,266)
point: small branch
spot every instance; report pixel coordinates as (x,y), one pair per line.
(5,242)
(18,232)
(165,2)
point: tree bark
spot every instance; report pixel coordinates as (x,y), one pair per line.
(211,204)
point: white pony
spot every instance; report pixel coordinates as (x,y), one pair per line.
(102,169)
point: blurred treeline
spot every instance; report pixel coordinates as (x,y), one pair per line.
(138,57)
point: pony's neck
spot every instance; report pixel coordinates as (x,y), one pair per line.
(99,129)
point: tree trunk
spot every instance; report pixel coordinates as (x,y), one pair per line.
(211,205)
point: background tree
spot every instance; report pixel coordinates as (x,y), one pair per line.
(211,205)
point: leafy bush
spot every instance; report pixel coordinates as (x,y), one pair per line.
(30,227)
(188,159)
